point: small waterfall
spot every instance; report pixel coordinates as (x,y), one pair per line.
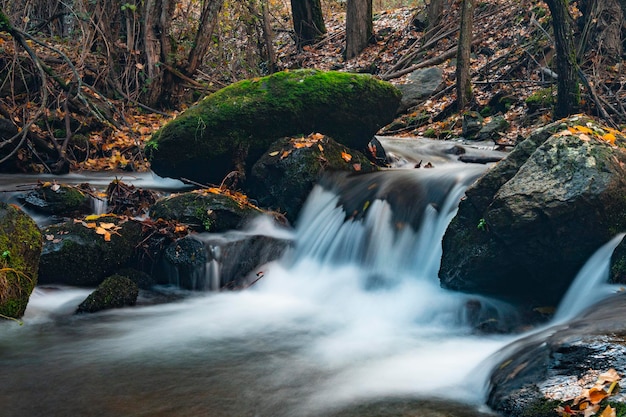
(590,284)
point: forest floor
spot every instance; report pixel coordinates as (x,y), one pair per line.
(512,54)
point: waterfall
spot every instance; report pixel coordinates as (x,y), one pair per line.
(590,285)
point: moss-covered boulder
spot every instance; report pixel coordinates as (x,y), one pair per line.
(285,175)
(20,247)
(115,291)
(234,126)
(527,226)
(58,199)
(84,252)
(209,210)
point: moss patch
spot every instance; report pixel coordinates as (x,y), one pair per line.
(114,292)
(20,247)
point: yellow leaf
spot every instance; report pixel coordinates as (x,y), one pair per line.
(93,217)
(583,129)
(107,225)
(346,156)
(608,412)
(274,153)
(320,147)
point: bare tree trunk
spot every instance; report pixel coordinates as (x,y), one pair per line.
(435,11)
(308,21)
(463,78)
(268,35)
(568,94)
(359,26)
(602,32)
(158,48)
(208,20)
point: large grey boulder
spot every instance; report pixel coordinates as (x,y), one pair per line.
(230,129)
(528,225)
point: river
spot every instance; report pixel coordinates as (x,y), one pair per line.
(351,322)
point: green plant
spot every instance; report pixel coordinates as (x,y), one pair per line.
(482,225)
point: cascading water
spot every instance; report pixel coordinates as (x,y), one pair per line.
(351,314)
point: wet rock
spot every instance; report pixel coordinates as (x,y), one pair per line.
(115,291)
(230,129)
(57,199)
(83,253)
(205,211)
(187,260)
(285,175)
(537,373)
(20,248)
(528,225)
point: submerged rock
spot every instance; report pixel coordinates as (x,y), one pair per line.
(20,248)
(232,128)
(114,292)
(528,225)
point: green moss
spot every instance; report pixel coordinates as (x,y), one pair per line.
(20,246)
(238,123)
(543,98)
(115,291)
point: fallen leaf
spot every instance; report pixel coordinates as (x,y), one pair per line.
(49,237)
(596,395)
(346,156)
(609,376)
(608,412)
(320,147)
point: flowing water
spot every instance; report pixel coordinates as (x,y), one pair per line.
(350,322)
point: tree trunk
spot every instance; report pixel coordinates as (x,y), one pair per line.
(463,78)
(568,94)
(359,26)
(158,48)
(308,21)
(208,20)
(602,32)
(435,11)
(268,36)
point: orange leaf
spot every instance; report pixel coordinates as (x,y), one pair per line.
(285,154)
(596,395)
(609,137)
(299,145)
(357,167)
(346,156)
(320,147)
(317,136)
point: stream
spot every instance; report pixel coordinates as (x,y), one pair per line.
(351,322)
